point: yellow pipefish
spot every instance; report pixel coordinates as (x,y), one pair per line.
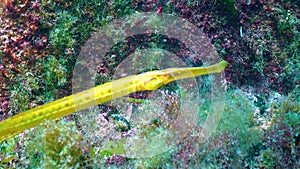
(100,94)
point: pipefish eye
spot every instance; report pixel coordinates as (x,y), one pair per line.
(171,75)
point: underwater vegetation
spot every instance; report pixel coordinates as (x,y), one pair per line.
(41,39)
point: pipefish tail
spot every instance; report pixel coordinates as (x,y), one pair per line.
(100,94)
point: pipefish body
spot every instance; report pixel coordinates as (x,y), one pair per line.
(100,94)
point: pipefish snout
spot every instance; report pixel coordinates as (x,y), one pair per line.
(100,94)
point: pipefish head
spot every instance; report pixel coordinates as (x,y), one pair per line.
(154,79)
